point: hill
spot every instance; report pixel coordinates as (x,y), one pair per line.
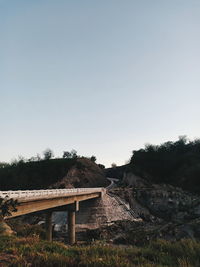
(52,173)
(175,163)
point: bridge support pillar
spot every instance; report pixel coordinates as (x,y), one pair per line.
(49,226)
(72,208)
(71,227)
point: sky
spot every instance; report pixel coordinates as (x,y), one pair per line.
(101,77)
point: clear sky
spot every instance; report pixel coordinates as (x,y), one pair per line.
(102,77)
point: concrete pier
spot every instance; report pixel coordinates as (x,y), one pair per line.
(49,226)
(71,227)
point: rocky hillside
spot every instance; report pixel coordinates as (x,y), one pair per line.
(165,211)
(163,200)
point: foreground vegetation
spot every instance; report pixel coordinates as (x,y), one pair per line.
(31,251)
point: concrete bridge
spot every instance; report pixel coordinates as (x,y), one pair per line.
(30,201)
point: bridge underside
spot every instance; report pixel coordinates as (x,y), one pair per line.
(26,207)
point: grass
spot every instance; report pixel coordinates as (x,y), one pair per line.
(31,251)
(24,229)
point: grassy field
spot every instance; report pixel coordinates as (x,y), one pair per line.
(31,251)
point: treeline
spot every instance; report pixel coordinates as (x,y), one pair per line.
(34,174)
(176,163)
(38,172)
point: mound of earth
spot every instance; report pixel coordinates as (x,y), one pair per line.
(84,173)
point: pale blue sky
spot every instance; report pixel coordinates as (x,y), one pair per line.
(102,77)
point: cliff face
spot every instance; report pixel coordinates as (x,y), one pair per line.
(84,173)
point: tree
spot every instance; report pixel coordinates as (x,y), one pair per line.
(21,159)
(101,166)
(74,154)
(113,165)
(36,158)
(4,164)
(48,154)
(70,155)
(93,158)
(66,155)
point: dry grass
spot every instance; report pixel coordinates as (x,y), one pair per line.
(31,251)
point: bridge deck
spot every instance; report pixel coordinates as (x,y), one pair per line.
(30,201)
(26,195)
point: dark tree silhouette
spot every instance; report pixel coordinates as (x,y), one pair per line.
(177,163)
(70,155)
(48,154)
(93,158)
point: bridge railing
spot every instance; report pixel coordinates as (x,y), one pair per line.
(49,192)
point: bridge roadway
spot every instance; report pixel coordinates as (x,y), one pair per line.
(51,200)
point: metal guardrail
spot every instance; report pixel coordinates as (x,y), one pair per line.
(49,192)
